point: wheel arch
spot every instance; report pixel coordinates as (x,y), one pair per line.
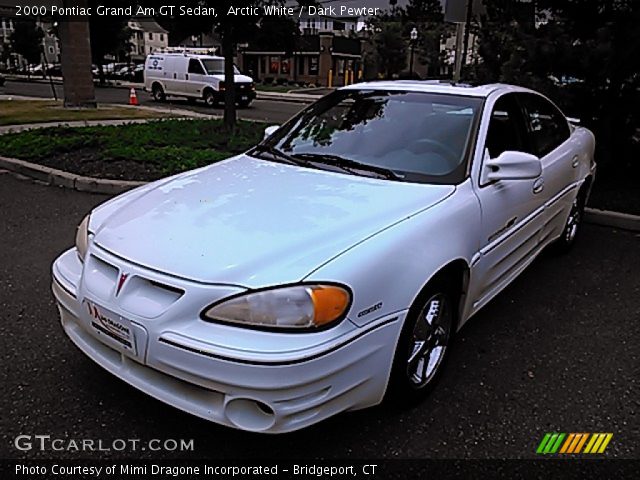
(585,188)
(208,88)
(455,274)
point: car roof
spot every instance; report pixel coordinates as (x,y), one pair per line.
(437,86)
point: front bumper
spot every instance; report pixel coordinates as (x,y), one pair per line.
(258,381)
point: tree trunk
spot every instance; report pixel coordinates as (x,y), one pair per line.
(75,51)
(229,83)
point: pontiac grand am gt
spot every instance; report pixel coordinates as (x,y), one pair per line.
(334,262)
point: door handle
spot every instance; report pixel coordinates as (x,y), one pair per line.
(538,185)
(575,162)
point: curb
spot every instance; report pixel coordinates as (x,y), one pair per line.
(287,97)
(607,218)
(74,123)
(60,178)
(53,176)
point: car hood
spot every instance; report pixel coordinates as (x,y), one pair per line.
(237,78)
(252,222)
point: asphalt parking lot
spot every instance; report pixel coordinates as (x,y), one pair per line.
(558,350)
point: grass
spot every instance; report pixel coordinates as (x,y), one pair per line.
(141,151)
(275,88)
(20,112)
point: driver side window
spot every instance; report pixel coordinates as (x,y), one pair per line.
(195,67)
(505,127)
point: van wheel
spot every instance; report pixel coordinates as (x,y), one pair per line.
(210,98)
(423,344)
(158,93)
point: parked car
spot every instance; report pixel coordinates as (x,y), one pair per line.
(37,69)
(333,263)
(195,77)
(123,72)
(55,70)
(136,74)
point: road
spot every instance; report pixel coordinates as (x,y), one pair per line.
(267,110)
(558,350)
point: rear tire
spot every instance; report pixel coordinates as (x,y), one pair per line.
(157,92)
(424,343)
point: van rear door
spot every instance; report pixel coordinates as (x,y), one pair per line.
(170,75)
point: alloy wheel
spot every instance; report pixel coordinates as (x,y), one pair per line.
(429,340)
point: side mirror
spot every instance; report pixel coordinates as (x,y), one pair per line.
(270,130)
(511,165)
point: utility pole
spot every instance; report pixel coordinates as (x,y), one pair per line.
(75,53)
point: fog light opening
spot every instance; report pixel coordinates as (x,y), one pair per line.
(250,414)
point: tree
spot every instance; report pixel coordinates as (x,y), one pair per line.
(391,33)
(585,55)
(389,44)
(109,35)
(428,18)
(75,53)
(277,34)
(233,29)
(26,40)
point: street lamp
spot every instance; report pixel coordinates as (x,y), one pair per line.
(414,37)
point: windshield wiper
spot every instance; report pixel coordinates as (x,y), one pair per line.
(349,165)
(274,152)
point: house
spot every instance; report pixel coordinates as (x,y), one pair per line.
(8,20)
(147,36)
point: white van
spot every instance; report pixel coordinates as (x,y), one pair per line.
(193,76)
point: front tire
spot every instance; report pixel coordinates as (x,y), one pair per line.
(210,98)
(424,344)
(572,225)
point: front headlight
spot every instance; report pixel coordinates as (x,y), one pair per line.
(293,307)
(82,238)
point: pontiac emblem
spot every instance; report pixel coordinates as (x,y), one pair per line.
(123,278)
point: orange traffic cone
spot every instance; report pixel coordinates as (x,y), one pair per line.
(133,99)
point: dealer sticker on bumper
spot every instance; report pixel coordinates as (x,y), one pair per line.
(114,327)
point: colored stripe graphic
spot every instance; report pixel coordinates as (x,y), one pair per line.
(606,441)
(567,443)
(573,443)
(543,443)
(581,442)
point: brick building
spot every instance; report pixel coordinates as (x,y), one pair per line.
(327,47)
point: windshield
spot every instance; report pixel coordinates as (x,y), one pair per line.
(419,137)
(215,66)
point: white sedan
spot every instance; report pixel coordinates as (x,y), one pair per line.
(332,264)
